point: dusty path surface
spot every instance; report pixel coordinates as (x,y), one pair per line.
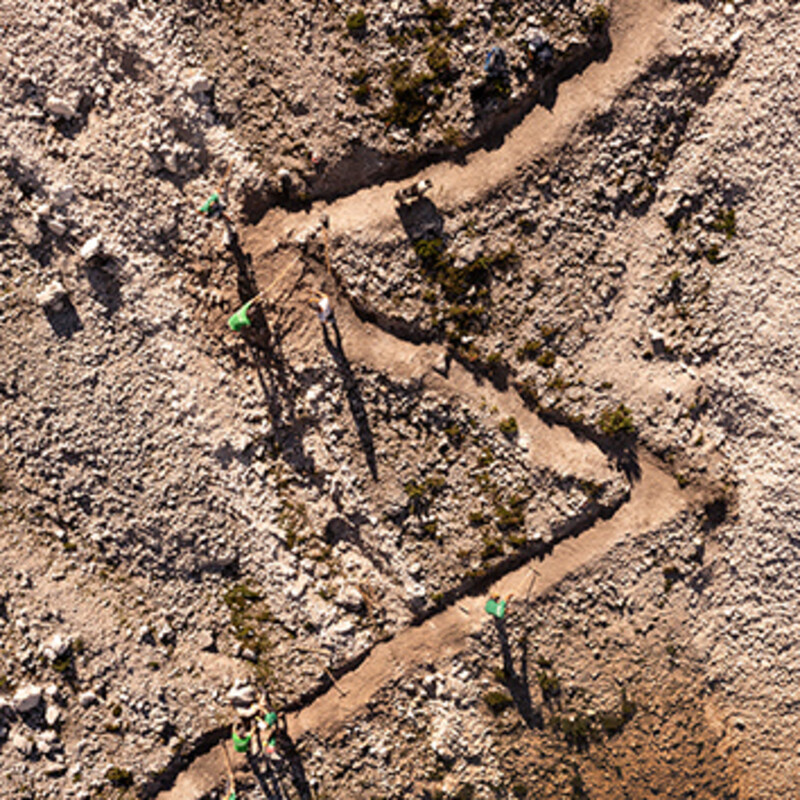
(655,499)
(637,30)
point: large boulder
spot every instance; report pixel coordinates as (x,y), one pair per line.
(26,698)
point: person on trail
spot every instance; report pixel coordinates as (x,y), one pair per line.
(495,64)
(214,208)
(409,195)
(322,305)
(268,725)
(497,607)
(539,50)
(242,734)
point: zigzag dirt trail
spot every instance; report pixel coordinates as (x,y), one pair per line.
(637,33)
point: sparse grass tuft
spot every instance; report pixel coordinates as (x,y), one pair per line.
(509,427)
(117,776)
(726,222)
(550,684)
(599,17)
(357,22)
(617,422)
(497,701)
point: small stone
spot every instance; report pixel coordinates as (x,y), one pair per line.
(198,83)
(22,744)
(58,227)
(442,365)
(92,248)
(205,641)
(56,647)
(60,107)
(349,598)
(145,635)
(52,715)
(64,194)
(166,635)
(171,162)
(242,694)
(87,699)
(656,339)
(47,742)
(52,296)
(27,698)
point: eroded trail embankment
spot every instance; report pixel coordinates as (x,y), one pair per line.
(655,498)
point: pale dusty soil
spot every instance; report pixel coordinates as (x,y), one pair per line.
(156,468)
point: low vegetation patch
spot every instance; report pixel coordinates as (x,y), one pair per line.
(357,22)
(617,422)
(497,701)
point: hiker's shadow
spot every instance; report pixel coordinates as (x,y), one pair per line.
(517,682)
(354,398)
(267,777)
(245,277)
(421,219)
(273,376)
(272,776)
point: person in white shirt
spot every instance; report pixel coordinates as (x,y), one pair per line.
(322,305)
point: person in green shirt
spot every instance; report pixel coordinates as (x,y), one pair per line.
(214,207)
(497,607)
(268,725)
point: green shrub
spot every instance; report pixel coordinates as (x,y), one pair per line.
(509,426)
(510,516)
(452,137)
(529,350)
(617,422)
(361,93)
(614,721)
(429,250)
(465,792)
(491,548)
(410,98)
(361,88)
(478,518)
(454,434)
(438,59)
(497,701)
(437,16)
(575,728)
(357,22)
(671,575)
(726,222)
(713,254)
(528,392)
(549,683)
(117,776)
(358,76)
(547,359)
(599,17)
